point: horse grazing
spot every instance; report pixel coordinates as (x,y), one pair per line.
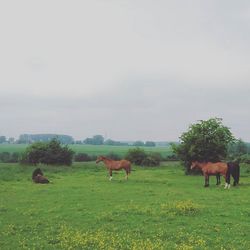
(38,177)
(115,165)
(218,168)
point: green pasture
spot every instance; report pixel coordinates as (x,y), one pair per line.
(91,149)
(157,208)
(13,148)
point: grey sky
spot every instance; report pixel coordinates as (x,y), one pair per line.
(126,69)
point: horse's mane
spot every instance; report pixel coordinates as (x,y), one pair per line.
(36,172)
(106,158)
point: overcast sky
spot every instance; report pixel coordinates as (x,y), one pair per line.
(126,69)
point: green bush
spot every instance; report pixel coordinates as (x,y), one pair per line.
(7,157)
(152,159)
(136,156)
(139,157)
(47,153)
(113,156)
(82,157)
(245,158)
(172,157)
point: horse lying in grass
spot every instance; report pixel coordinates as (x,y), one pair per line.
(218,168)
(115,165)
(38,176)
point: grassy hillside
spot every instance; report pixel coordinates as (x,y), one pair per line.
(157,208)
(91,149)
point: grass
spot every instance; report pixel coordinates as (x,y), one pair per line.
(91,149)
(157,208)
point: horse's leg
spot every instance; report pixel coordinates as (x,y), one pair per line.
(206,180)
(237,173)
(234,177)
(127,172)
(217,179)
(110,174)
(227,180)
(227,176)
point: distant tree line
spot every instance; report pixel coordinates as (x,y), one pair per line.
(67,139)
(30,138)
(239,151)
(99,140)
(3,139)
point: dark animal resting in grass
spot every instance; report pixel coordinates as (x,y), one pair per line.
(38,177)
(218,168)
(115,165)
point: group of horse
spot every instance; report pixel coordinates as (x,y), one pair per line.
(111,165)
(226,169)
(207,168)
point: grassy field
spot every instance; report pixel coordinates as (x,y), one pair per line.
(91,149)
(157,208)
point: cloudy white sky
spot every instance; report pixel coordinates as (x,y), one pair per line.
(127,69)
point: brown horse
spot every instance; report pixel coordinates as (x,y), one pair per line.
(37,176)
(210,168)
(115,165)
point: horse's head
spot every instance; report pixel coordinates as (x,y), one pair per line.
(194,164)
(100,158)
(36,172)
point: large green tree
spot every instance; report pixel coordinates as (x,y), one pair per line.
(204,141)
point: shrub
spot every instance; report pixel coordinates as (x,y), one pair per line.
(136,156)
(14,157)
(152,159)
(4,157)
(7,157)
(139,157)
(172,157)
(48,153)
(245,158)
(113,156)
(81,157)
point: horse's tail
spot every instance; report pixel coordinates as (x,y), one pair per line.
(129,168)
(229,167)
(235,172)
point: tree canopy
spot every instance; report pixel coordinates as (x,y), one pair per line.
(204,141)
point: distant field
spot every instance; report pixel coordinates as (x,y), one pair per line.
(156,209)
(91,149)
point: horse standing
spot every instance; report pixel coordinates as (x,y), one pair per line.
(115,165)
(218,168)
